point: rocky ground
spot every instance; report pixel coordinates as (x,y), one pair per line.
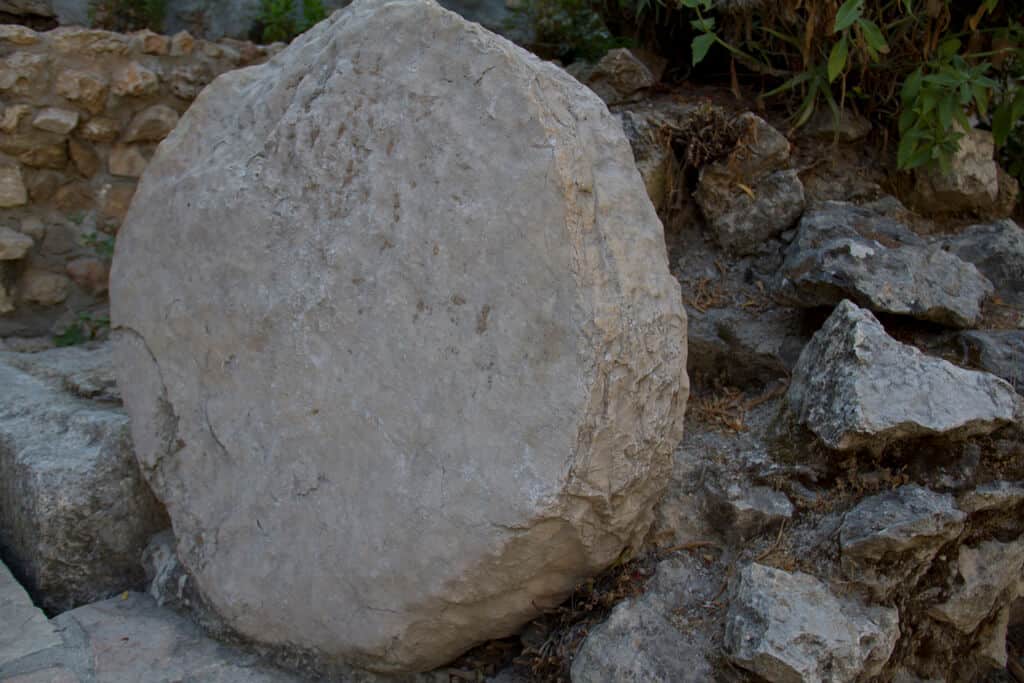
(847,503)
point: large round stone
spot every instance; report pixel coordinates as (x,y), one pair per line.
(398,339)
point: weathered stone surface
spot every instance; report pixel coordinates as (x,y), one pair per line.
(135,80)
(972,184)
(988,578)
(75,513)
(187,81)
(86,41)
(12,187)
(153,43)
(996,495)
(182,44)
(24,74)
(114,201)
(151,124)
(1000,352)
(856,387)
(13,114)
(843,251)
(73,197)
(41,8)
(849,128)
(126,161)
(889,539)
(18,35)
(83,371)
(13,244)
(469,480)
(997,250)
(85,88)
(618,76)
(744,512)
(89,273)
(84,157)
(56,120)
(24,629)
(788,627)
(100,130)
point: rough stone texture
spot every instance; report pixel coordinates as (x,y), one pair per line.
(1000,352)
(996,495)
(788,627)
(856,387)
(889,539)
(972,184)
(850,127)
(997,250)
(744,512)
(618,76)
(54,120)
(843,251)
(135,80)
(469,480)
(126,161)
(987,578)
(12,187)
(13,245)
(24,629)
(152,124)
(74,512)
(750,196)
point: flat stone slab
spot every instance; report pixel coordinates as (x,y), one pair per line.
(24,629)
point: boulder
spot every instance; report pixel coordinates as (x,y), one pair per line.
(1000,352)
(394,320)
(790,628)
(75,513)
(997,250)
(856,387)
(844,251)
(889,539)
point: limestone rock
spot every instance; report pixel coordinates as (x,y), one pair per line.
(889,539)
(997,250)
(153,43)
(744,512)
(76,40)
(988,578)
(89,273)
(13,114)
(1000,352)
(856,387)
(84,157)
(75,513)
(850,127)
(18,35)
(43,287)
(788,627)
(55,120)
(114,201)
(619,75)
(135,80)
(24,629)
(24,74)
(468,480)
(842,251)
(181,44)
(151,124)
(13,245)
(996,495)
(12,187)
(85,88)
(100,129)
(126,161)
(972,184)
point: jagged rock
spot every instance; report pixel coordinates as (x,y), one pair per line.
(618,76)
(987,578)
(996,495)
(24,628)
(151,124)
(75,513)
(638,642)
(651,153)
(42,287)
(135,80)
(749,197)
(843,251)
(856,387)
(889,539)
(788,627)
(743,512)
(997,250)
(13,244)
(1000,352)
(971,184)
(849,128)
(85,88)
(12,187)
(56,120)
(467,481)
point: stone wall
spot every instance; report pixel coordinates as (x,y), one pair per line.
(81,113)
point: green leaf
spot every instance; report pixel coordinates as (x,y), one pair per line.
(1002,123)
(837,59)
(873,36)
(981,99)
(946,107)
(704,24)
(948,48)
(847,14)
(907,119)
(911,86)
(701,45)
(905,150)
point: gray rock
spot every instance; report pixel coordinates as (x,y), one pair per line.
(843,251)
(849,128)
(997,250)
(24,628)
(856,387)
(86,371)
(1000,352)
(971,184)
(739,512)
(422,496)
(619,76)
(75,513)
(788,627)
(41,8)
(996,495)
(988,577)
(889,539)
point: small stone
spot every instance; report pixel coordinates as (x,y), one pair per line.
(741,513)
(54,120)
(760,151)
(889,539)
(90,274)
(850,127)
(856,387)
(988,577)
(46,156)
(181,44)
(789,628)
(187,81)
(127,161)
(85,41)
(152,124)
(996,495)
(100,130)
(1000,352)
(972,184)
(12,187)
(84,157)
(114,201)
(618,76)
(135,80)
(74,197)
(153,43)
(997,250)
(43,287)
(18,35)
(85,88)
(33,227)
(24,74)
(43,184)
(13,245)
(742,219)
(12,117)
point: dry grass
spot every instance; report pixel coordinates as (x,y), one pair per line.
(725,410)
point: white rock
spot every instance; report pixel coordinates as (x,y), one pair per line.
(56,120)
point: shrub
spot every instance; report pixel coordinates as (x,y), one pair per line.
(280,22)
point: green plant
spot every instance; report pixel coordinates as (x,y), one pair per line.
(86,328)
(102,244)
(568,30)
(128,15)
(281,22)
